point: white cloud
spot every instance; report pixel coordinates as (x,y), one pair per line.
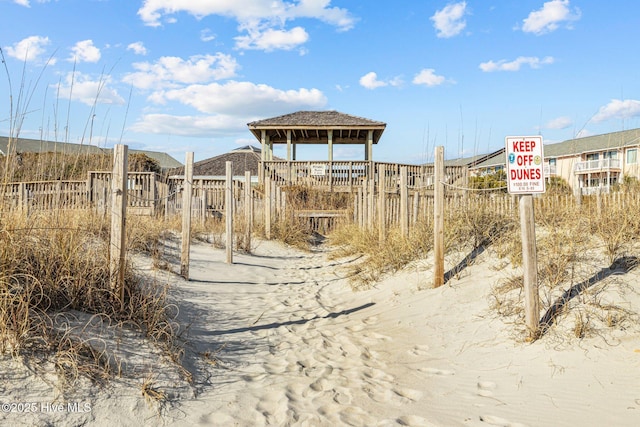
(265,21)
(137,48)
(242,98)
(170,71)
(271,39)
(152,11)
(192,126)
(206,35)
(559,123)
(29,49)
(428,77)
(84,51)
(80,87)
(27,3)
(449,21)
(515,65)
(618,109)
(549,18)
(370,81)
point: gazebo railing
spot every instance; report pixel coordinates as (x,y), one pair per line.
(349,175)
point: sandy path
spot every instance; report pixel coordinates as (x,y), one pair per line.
(291,344)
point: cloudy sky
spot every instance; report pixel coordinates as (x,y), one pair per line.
(188,75)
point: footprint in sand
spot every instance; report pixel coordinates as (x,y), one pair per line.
(342,397)
(414,421)
(436,371)
(419,350)
(371,320)
(407,393)
(374,336)
(500,422)
(355,328)
(485,388)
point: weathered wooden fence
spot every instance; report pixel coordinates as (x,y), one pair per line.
(395,195)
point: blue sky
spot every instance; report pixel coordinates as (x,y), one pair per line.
(188,75)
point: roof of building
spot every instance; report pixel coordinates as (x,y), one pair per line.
(593,143)
(474,161)
(26,145)
(244,159)
(311,127)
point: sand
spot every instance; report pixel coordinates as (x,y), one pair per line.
(280,338)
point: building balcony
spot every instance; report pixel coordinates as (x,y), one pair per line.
(601,165)
(588,191)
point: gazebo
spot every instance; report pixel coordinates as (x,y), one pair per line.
(316,127)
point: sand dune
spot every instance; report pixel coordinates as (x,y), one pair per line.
(279,338)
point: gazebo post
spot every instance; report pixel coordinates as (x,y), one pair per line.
(288,144)
(263,143)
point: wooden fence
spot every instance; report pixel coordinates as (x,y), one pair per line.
(378,201)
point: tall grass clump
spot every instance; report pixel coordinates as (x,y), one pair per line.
(53,263)
(581,252)
(380,256)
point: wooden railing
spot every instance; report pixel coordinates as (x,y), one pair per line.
(351,175)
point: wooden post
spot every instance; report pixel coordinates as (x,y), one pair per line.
(404,202)
(187,192)
(438,218)
(203,202)
(382,202)
(267,207)
(117,249)
(153,193)
(228,209)
(529,264)
(248,209)
(416,206)
(370,202)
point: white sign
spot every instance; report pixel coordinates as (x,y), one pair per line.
(317,170)
(525,164)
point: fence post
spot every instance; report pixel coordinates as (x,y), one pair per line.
(382,201)
(186,215)
(438,218)
(370,201)
(228,209)
(267,207)
(248,209)
(117,247)
(404,202)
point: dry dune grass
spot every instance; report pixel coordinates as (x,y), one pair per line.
(53,263)
(581,251)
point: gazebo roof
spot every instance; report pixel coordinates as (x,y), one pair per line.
(311,127)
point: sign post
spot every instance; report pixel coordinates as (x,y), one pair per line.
(525,176)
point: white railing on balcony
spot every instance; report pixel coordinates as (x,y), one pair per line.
(550,170)
(597,165)
(587,191)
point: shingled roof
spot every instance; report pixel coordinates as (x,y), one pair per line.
(592,143)
(244,159)
(311,127)
(26,145)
